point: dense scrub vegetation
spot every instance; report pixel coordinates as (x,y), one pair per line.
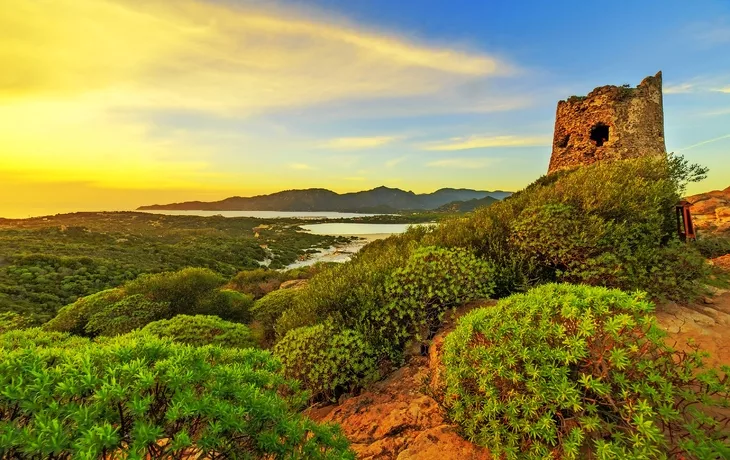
(571,371)
(149,396)
(202,330)
(545,373)
(151,298)
(46,263)
(610,224)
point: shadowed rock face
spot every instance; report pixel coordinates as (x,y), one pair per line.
(711,211)
(610,123)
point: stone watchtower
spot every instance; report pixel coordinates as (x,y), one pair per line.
(610,123)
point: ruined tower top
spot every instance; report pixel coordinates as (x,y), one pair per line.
(610,123)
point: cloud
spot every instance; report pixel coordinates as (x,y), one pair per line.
(680,88)
(221,58)
(725,90)
(462,163)
(708,141)
(711,32)
(354,143)
(300,166)
(395,161)
(481,142)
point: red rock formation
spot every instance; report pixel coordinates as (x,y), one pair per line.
(711,211)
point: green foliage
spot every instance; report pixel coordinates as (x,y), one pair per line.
(576,371)
(268,309)
(140,396)
(346,293)
(10,321)
(432,281)
(327,359)
(74,318)
(609,224)
(712,246)
(202,330)
(46,263)
(184,290)
(126,315)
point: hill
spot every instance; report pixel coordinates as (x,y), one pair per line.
(711,210)
(467,206)
(380,199)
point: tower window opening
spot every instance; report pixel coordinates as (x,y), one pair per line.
(599,134)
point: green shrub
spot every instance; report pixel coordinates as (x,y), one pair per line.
(10,321)
(227,304)
(126,315)
(347,292)
(327,359)
(432,281)
(270,307)
(712,246)
(139,396)
(581,372)
(73,318)
(603,224)
(256,283)
(202,330)
(184,290)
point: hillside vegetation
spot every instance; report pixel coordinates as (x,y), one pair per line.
(569,364)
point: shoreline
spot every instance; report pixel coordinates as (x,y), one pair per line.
(340,253)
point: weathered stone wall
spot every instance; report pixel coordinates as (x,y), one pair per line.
(610,123)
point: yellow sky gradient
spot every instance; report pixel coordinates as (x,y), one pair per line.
(80,79)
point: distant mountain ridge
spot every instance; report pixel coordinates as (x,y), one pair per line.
(380,199)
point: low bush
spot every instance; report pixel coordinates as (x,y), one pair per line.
(256,283)
(327,359)
(139,396)
(712,246)
(184,290)
(227,304)
(74,317)
(10,321)
(200,330)
(126,315)
(267,310)
(581,372)
(432,281)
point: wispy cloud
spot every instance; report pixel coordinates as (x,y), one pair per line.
(462,163)
(725,90)
(395,161)
(481,142)
(224,58)
(354,143)
(708,141)
(300,166)
(679,88)
(711,32)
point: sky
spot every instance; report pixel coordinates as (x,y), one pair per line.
(112,104)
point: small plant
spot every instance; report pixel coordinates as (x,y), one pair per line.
(139,396)
(573,372)
(327,360)
(200,330)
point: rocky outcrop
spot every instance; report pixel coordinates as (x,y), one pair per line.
(711,211)
(400,417)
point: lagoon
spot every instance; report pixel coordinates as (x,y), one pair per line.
(264,214)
